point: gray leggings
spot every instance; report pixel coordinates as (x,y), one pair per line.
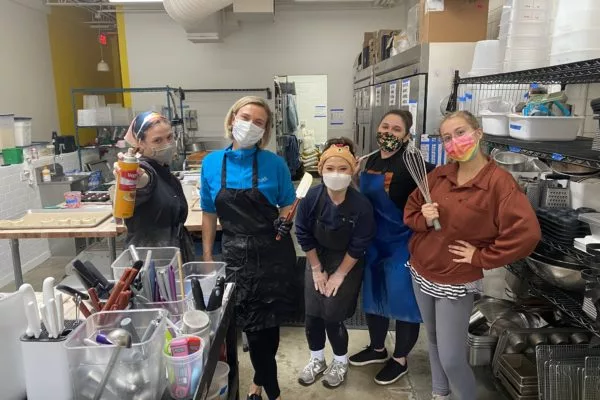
(447,324)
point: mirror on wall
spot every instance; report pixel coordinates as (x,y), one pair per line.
(300,113)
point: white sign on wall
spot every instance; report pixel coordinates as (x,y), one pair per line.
(320,111)
(393,92)
(405,92)
(378,96)
(336,117)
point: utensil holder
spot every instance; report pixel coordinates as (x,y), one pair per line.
(46,365)
(12,325)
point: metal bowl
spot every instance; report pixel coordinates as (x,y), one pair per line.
(194,147)
(572,169)
(492,307)
(564,278)
(513,162)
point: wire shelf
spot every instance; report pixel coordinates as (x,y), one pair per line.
(587,71)
(569,303)
(581,256)
(577,152)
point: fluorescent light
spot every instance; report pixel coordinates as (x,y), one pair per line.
(135,1)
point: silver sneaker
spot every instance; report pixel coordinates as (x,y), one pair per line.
(335,374)
(309,374)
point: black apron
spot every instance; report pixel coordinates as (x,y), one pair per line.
(331,249)
(261,267)
(159,221)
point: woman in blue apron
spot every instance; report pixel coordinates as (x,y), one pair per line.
(387,287)
(334,226)
(250,190)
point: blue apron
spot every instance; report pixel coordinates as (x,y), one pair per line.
(387,284)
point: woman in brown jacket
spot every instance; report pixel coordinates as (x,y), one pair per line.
(487,222)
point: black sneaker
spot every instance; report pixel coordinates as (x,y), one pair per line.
(368,356)
(254,397)
(391,372)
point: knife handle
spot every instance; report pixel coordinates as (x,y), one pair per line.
(290,216)
(114,295)
(94,299)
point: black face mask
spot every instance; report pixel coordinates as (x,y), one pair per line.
(388,142)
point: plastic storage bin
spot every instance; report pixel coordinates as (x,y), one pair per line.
(576,40)
(531,54)
(575,19)
(206,272)
(494,123)
(162,257)
(219,388)
(139,370)
(535,4)
(184,373)
(574,56)
(544,128)
(13,155)
(525,41)
(7,131)
(511,66)
(534,28)
(22,131)
(522,14)
(486,58)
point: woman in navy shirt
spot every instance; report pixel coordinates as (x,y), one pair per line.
(334,226)
(250,190)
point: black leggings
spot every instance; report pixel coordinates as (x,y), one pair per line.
(336,332)
(407,334)
(263,346)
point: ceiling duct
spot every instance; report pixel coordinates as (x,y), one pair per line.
(254,10)
(191,13)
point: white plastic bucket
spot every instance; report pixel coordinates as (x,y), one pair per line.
(494,123)
(219,388)
(22,131)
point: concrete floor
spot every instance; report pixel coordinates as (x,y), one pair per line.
(293,352)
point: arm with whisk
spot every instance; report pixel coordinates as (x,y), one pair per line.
(415,164)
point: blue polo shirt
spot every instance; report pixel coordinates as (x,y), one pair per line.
(274,180)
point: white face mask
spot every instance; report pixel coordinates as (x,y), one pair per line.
(336,181)
(163,155)
(246,133)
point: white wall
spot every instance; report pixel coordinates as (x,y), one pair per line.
(297,43)
(26,79)
(311,91)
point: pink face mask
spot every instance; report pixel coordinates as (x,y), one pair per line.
(462,148)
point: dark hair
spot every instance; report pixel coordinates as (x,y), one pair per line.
(406,116)
(344,141)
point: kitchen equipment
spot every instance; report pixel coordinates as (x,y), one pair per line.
(559,338)
(494,123)
(194,147)
(476,319)
(593,219)
(138,370)
(415,164)
(508,320)
(520,372)
(517,287)
(492,307)
(554,195)
(517,341)
(13,155)
(563,277)
(121,339)
(486,58)
(124,201)
(585,192)
(184,370)
(56,219)
(532,189)
(301,192)
(544,128)
(7,131)
(22,131)
(572,169)
(579,338)
(513,162)
(12,325)
(219,387)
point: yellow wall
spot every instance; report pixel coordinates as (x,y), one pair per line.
(75,55)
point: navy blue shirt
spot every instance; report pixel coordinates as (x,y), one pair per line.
(355,207)
(274,180)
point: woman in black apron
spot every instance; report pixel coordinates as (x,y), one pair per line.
(334,226)
(160,205)
(243,186)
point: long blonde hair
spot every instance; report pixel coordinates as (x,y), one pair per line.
(244,101)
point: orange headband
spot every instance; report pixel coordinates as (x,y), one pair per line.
(337,150)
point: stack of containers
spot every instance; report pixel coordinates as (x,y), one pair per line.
(576,33)
(524,34)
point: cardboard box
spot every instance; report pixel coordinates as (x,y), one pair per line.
(461,21)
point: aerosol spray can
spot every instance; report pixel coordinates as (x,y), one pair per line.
(126,185)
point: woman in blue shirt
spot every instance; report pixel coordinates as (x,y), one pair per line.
(250,191)
(334,226)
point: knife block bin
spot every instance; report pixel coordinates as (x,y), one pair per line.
(139,371)
(46,365)
(12,325)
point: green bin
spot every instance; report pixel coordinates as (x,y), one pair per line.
(13,155)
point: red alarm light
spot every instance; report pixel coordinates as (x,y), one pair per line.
(102,39)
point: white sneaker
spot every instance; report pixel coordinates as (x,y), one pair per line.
(439,397)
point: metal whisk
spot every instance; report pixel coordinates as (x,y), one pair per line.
(415,163)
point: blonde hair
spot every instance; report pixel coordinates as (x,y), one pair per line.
(469,118)
(244,101)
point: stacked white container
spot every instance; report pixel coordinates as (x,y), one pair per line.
(524,34)
(576,33)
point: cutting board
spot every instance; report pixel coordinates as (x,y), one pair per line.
(57,219)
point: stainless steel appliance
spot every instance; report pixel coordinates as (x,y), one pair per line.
(416,80)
